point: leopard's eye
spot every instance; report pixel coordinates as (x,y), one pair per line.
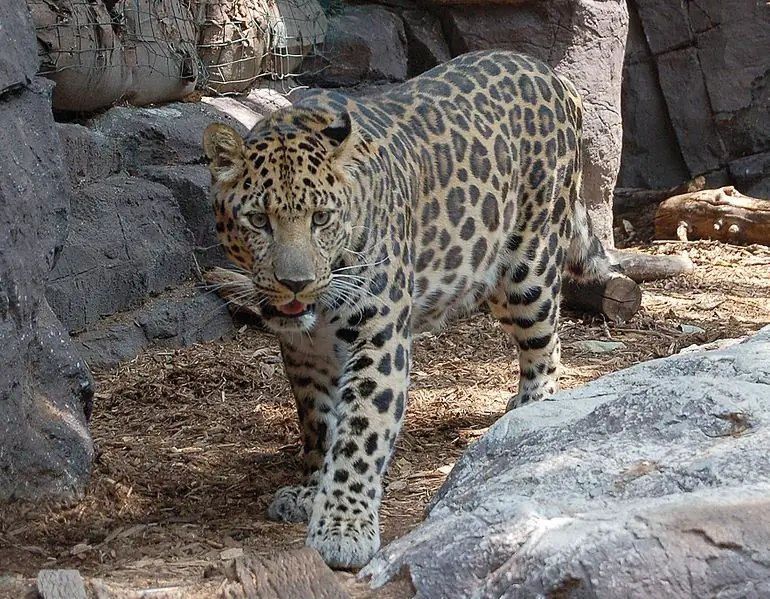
(258,220)
(321,217)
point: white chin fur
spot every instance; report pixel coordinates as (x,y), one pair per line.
(300,324)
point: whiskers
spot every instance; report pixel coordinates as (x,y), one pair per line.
(348,290)
(235,288)
(350,284)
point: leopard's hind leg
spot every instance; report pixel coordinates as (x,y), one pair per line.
(526,302)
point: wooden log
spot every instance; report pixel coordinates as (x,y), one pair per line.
(618,298)
(722,214)
(644,267)
(297,573)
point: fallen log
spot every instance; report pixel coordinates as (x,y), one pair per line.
(644,267)
(297,573)
(617,299)
(722,214)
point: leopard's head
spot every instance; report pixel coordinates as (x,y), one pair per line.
(282,201)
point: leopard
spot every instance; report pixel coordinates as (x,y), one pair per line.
(359,222)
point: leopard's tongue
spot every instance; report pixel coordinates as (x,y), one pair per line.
(293,308)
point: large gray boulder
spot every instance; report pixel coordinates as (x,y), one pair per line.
(649,482)
(651,156)
(179,318)
(128,240)
(45,388)
(363,44)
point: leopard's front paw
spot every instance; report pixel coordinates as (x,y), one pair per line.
(343,541)
(292,504)
(535,393)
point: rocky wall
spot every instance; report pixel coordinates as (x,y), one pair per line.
(45,387)
(141,233)
(696,96)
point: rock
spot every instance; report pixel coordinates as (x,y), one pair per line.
(250,109)
(733,46)
(582,39)
(752,175)
(425,41)
(363,43)
(649,482)
(170,134)
(136,234)
(127,240)
(89,155)
(236,109)
(191,186)
(651,156)
(684,89)
(711,63)
(19,63)
(180,318)
(597,346)
(45,388)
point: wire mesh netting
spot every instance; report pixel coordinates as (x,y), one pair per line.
(103,51)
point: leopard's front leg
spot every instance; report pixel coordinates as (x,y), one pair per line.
(313,370)
(344,526)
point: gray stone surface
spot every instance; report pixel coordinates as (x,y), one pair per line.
(752,174)
(685,91)
(651,156)
(169,134)
(179,318)
(711,60)
(425,41)
(191,184)
(583,39)
(649,482)
(88,155)
(45,389)
(127,239)
(141,222)
(18,63)
(363,43)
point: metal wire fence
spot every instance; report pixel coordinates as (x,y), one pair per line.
(140,49)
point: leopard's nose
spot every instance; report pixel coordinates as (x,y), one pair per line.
(296,285)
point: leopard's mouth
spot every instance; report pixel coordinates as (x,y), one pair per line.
(294,309)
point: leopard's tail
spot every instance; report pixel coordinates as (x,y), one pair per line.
(587,259)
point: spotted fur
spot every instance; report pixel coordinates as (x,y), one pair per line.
(363,221)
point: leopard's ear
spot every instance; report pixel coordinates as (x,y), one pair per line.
(346,142)
(339,131)
(343,136)
(225,152)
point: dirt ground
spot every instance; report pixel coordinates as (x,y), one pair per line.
(192,443)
